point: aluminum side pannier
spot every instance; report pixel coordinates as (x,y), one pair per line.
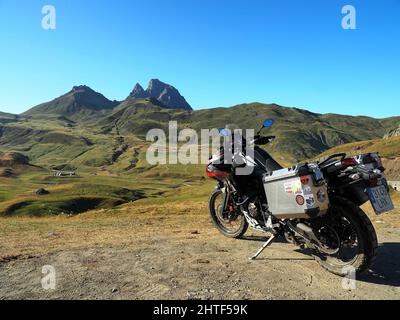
(297,192)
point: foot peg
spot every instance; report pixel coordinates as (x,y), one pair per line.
(265,245)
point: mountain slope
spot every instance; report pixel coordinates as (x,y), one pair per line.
(300,134)
(78,104)
(7,117)
(138,116)
(393,133)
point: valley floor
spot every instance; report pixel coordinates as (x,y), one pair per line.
(172,251)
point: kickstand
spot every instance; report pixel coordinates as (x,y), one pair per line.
(265,245)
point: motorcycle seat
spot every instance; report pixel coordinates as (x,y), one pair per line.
(266,160)
(271,165)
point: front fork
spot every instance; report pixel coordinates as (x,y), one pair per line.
(224,187)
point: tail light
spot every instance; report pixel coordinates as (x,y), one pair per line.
(349,162)
(373,182)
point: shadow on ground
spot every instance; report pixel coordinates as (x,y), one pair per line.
(386,269)
(263,239)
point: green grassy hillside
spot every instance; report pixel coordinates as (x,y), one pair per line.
(7,115)
(107,150)
(387,148)
(300,134)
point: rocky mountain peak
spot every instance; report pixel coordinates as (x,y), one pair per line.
(156,87)
(164,93)
(138,91)
(81,88)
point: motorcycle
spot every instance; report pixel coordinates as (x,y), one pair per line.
(315,206)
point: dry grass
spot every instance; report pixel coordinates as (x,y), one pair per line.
(132,224)
(386,147)
(129,225)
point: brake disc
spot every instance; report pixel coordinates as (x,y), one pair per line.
(323,239)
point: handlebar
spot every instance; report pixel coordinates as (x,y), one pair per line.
(259,140)
(342,155)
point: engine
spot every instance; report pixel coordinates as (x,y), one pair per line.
(253,210)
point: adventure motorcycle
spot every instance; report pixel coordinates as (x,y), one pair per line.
(314,205)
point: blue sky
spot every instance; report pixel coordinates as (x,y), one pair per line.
(217,53)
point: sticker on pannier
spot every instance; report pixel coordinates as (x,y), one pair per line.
(310,201)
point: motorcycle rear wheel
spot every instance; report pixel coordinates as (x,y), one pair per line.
(232,224)
(363,233)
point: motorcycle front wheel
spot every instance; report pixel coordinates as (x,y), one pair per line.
(230,222)
(354,236)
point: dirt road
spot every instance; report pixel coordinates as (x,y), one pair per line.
(189,261)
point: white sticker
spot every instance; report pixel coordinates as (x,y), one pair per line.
(288,187)
(310,201)
(307,190)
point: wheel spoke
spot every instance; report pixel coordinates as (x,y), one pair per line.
(348,249)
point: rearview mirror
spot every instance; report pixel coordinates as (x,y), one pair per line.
(223,132)
(268,123)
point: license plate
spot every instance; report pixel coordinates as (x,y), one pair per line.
(380,199)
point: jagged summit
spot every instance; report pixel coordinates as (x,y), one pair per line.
(82,102)
(166,94)
(138,92)
(81,87)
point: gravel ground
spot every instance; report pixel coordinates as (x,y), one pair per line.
(200,264)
